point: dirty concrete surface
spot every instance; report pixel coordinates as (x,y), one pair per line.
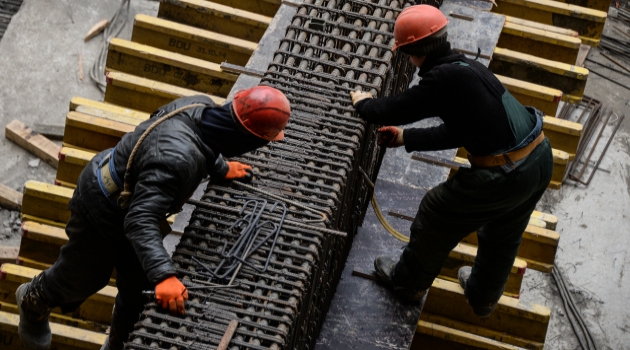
(39,60)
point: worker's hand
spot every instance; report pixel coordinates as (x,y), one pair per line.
(239,171)
(359,96)
(390,136)
(171,294)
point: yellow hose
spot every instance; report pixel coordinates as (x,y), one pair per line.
(379,213)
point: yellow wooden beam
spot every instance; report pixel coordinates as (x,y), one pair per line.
(543,98)
(541,26)
(168,67)
(63,336)
(550,220)
(262,7)
(511,316)
(71,164)
(107,110)
(474,332)
(537,42)
(191,41)
(587,22)
(95,133)
(464,255)
(564,135)
(144,94)
(41,242)
(216,18)
(97,308)
(570,79)
(538,247)
(600,5)
(46,201)
(434,336)
(61,319)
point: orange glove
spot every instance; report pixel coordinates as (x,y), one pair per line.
(239,171)
(171,294)
(390,136)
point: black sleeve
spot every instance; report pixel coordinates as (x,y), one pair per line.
(416,103)
(154,193)
(430,139)
(220,169)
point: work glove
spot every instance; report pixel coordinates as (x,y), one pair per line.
(171,294)
(239,172)
(359,96)
(390,136)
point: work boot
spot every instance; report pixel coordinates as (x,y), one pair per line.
(384,267)
(483,310)
(34,309)
(106,344)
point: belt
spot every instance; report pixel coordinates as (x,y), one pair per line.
(108,179)
(506,158)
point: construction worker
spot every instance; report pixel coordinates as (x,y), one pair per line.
(123,197)
(511,163)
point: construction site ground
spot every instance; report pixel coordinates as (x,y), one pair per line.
(39,63)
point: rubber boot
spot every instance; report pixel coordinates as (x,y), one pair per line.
(482,310)
(385,267)
(34,329)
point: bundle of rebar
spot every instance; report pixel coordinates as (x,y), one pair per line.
(276,275)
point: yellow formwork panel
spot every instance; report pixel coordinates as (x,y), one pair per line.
(71,164)
(168,67)
(467,335)
(569,79)
(95,133)
(511,316)
(46,201)
(145,94)
(587,22)
(33,264)
(63,336)
(464,255)
(215,17)
(107,111)
(543,98)
(537,42)
(261,7)
(431,336)
(538,247)
(564,135)
(191,41)
(541,26)
(600,5)
(97,308)
(61,319)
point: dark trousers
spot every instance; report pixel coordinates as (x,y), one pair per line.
(85,266)
(496,204)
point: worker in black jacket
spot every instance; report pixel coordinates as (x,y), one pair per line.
(124,196)
(511,162)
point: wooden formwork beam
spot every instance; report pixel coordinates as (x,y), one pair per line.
(97,308)
(168,67)
(61,319)
(587,22)
(540,43)
(261,7)
(41,242)
(216,18)
(96,133)
(569,79)
(46,201)
(106,110)
(191,41)
(71,164)
(543,98)
(145,94)
(33,142)
(600,5)
(541,26)
(564,135)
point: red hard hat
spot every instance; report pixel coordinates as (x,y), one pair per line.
(417,22)
(263,111)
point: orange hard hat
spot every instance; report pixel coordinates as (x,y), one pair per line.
(416,23)
(263,111)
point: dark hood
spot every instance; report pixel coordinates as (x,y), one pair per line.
(442,55)
(221,133)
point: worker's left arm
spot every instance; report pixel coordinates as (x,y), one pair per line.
(430,139)
(224,170)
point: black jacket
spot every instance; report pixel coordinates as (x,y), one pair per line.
(168,167)
(471,107)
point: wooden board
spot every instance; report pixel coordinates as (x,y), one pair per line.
(33,142)
(10,198)
(465,35)
(8,254)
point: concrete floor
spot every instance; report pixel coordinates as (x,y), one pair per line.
(39,60)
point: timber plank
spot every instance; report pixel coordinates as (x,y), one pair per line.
(10,198)
(33,142)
